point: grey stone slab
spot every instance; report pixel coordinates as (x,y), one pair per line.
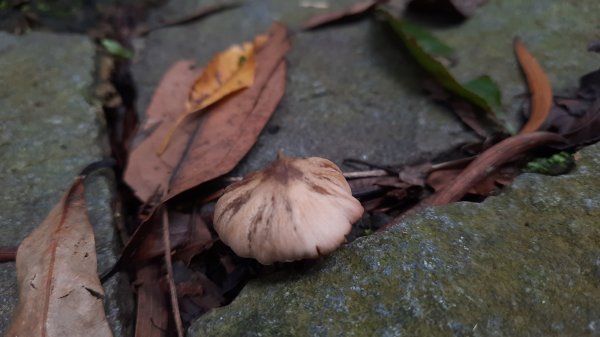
(525,263)
(50,128)
(352,90)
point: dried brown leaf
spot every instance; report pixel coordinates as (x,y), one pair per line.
(576,116)
(209,146)
(59,290)
(198,294)
(230,129)
(355,10)
(146,172)
(153,244)
(539,86)
(227,73)
(199,240)
(152,316)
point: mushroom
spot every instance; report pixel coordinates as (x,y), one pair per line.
(295,208)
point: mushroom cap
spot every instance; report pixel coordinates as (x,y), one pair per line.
(295,208)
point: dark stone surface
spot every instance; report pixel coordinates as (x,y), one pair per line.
(50,129)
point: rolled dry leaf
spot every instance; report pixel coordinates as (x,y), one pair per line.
(539,87)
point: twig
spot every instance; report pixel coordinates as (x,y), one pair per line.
(365,174)
(171,281)
(8,254)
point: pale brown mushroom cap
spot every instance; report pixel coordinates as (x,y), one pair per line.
(295,208)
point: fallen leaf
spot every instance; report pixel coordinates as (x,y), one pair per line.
(468,114)
(480,168)
(466,8)
(539,86)
(416,174)
(440,179)
(199,240)
(367,188)
(487,162)
(153,244)
(198,14)
(428,51)
(115,48)
(209,146)
(59,290)
(576,115)
(355,10)
(594,46)
(557,164)
(146,172)
(230,129)
(152,316)
(227,73)
(198,293)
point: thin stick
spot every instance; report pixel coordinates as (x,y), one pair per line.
(8,254)
(365,174)
(169,264)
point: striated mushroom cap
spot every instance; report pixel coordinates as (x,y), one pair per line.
(295,208)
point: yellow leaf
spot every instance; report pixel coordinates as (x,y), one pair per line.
(227,73)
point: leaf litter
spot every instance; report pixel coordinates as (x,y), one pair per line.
(237,93)
(60,293)
(356,10)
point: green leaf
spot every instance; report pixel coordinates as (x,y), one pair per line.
(485,87)
(429,43)
(558,163)
(427,50)
(116,49)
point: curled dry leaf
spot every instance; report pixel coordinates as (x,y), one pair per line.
(293,209)
(226,73)
(211,145)
(59,290)
(488,161)
(482,167)
(355,10)
(539,86)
